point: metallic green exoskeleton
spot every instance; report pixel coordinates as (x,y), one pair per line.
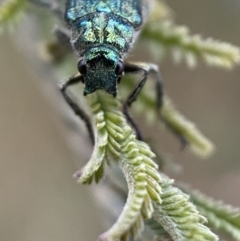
(103,32)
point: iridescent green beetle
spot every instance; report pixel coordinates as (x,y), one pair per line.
(102,34)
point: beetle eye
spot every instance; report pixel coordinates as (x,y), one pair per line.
(119,68)
(82,67)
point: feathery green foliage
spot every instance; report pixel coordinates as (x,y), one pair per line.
(160,11)
(179,217)
(185,130)
(197,142)
(219,215)
(151,195)
(190,48)
(10,12)
(115,140)
(148,194)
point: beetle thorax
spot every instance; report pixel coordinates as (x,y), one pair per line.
(102,29)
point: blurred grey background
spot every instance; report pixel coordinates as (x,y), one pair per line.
(39,198)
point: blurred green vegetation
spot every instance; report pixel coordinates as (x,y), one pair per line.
(34,174)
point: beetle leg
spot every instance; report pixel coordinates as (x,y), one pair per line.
(77,110)
(146,69)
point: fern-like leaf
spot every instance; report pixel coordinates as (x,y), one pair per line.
(114,140)
(179,125)
(179,217)
(190,48)
(148,194)
(197,142)
(220,216)
(159,11)
(10,12)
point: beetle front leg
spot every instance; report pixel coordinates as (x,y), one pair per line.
(75,107)
(146,69)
